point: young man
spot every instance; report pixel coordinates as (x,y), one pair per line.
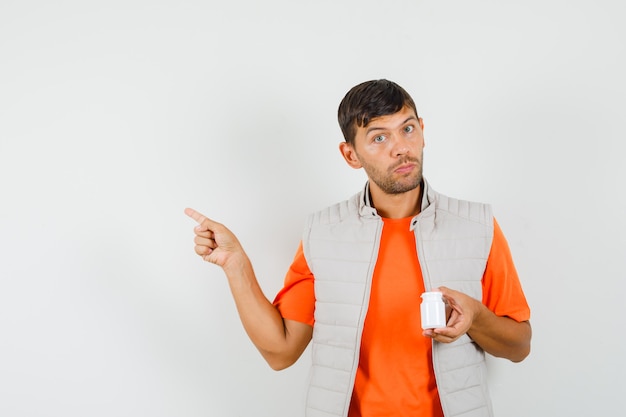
(354,286)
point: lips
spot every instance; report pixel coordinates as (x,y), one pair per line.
(404,168)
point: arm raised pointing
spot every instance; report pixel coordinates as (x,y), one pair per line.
(280,341)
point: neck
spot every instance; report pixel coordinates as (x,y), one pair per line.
(396,206)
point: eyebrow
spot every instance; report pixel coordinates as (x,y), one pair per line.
(374,128)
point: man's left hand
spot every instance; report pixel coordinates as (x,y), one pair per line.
(463,309)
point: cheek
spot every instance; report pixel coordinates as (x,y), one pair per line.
(377,150)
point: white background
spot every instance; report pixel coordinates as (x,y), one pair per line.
(116,115)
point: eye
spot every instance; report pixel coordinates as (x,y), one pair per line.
(409,129)
(379,139)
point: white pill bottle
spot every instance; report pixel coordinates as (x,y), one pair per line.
(433,310)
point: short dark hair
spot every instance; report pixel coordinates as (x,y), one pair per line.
(368,101)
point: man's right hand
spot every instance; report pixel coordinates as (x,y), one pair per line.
(214,242)
(281,342)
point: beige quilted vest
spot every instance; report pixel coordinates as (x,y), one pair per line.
(341,246)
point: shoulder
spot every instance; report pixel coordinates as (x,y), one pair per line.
(336,213)
(473,211)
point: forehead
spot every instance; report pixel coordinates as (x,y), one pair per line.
(390,120)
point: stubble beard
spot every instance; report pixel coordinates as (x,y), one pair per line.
(393,186)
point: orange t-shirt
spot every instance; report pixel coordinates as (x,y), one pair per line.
(395,374)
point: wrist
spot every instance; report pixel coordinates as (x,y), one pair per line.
(478,314)
(237,265)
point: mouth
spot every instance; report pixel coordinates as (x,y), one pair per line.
(404,168)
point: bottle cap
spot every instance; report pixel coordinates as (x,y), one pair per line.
(432,295)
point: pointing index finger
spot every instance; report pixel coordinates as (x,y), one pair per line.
(204,223)
(198,217)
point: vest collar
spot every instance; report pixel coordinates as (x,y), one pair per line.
(367,209)
(428,195)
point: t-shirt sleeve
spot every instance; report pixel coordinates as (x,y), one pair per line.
(502,290)
(296,301)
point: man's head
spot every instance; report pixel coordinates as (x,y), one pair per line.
(368,101)
(384,136)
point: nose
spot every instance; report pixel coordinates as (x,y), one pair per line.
(400,146)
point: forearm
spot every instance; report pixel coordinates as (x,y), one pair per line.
(261,319)
(281,342)
(501,336)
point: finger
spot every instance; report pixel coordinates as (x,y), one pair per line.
(447,293)
(443,339)
(200,231)
(445,335)
(201,241)
(199,217)
(204,222)
(203,251)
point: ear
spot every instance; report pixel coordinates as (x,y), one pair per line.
(348,153)
(421,122)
